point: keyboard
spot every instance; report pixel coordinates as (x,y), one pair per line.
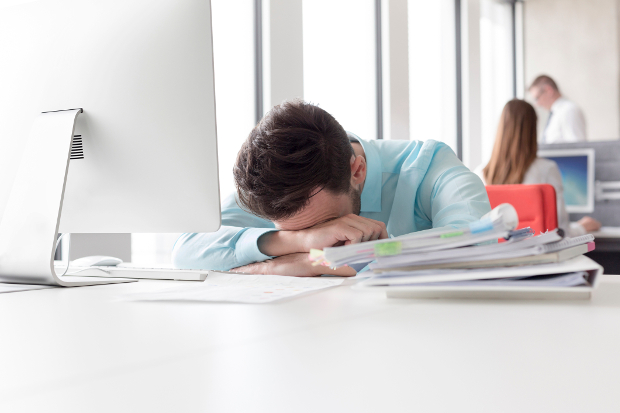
(127,270)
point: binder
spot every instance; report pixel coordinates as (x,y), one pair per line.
(551,257)
(428,284)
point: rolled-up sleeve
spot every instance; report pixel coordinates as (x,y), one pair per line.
(235,244)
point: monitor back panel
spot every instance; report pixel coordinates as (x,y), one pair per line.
(142,70)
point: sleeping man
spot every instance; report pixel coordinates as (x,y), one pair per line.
(303,182)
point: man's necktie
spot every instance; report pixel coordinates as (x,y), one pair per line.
(544,136)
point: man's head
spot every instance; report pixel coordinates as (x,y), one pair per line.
(298,169)
(544,91)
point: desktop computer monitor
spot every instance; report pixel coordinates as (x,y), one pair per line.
(141,73)
(577,169)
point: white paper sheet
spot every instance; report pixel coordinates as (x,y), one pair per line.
(510,249)
(13,288)
(240,288)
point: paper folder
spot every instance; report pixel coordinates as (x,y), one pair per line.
(411,287)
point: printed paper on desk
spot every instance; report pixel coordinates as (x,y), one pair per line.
(240,288)
(13,288)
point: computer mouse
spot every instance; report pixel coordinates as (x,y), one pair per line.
(96,260)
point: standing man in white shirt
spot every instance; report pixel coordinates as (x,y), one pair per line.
(566,122)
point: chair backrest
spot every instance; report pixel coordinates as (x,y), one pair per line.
(535,204)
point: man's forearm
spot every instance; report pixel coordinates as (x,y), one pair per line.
(278,243)
(296,264)
(348,229)
(221,250)
(299,265)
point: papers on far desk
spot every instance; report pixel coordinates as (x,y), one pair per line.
(240,288)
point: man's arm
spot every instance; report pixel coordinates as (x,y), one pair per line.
(245,238)
(293,246)
(450,194)
(234,244)
(348,229)
(297,265)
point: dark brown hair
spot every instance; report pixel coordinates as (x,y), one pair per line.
(515,145)
(296,150)
(544,80)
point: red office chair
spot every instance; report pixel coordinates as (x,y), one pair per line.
(535,204)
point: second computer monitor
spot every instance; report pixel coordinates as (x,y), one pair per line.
(577,169)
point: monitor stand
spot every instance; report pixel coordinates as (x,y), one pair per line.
(29,227)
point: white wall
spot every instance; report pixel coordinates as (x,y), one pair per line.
(233,57)
(576,43)
(339,61)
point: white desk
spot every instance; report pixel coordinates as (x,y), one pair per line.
(607,232)
(338,350)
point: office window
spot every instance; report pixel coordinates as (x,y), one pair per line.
(496,68)
(233,50)
(339,61)
(432,71)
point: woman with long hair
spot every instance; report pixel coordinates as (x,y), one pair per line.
(514,161)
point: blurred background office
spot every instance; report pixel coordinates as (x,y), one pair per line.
(515,160)
(413,69)
(565,120)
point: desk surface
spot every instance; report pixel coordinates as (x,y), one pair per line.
(607,232)
(337,350)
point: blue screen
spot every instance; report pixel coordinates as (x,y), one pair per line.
(574,170)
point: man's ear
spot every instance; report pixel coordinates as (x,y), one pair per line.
(358,170)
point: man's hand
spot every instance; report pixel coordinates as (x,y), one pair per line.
(297,265)
(349,229)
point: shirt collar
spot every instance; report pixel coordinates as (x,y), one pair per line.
(558,102)
(371,194)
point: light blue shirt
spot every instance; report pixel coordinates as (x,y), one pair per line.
(410,186)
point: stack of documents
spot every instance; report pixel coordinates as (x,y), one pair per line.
(467,262)
(543,249)
(575,278)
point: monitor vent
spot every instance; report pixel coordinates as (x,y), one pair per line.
(77,152)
